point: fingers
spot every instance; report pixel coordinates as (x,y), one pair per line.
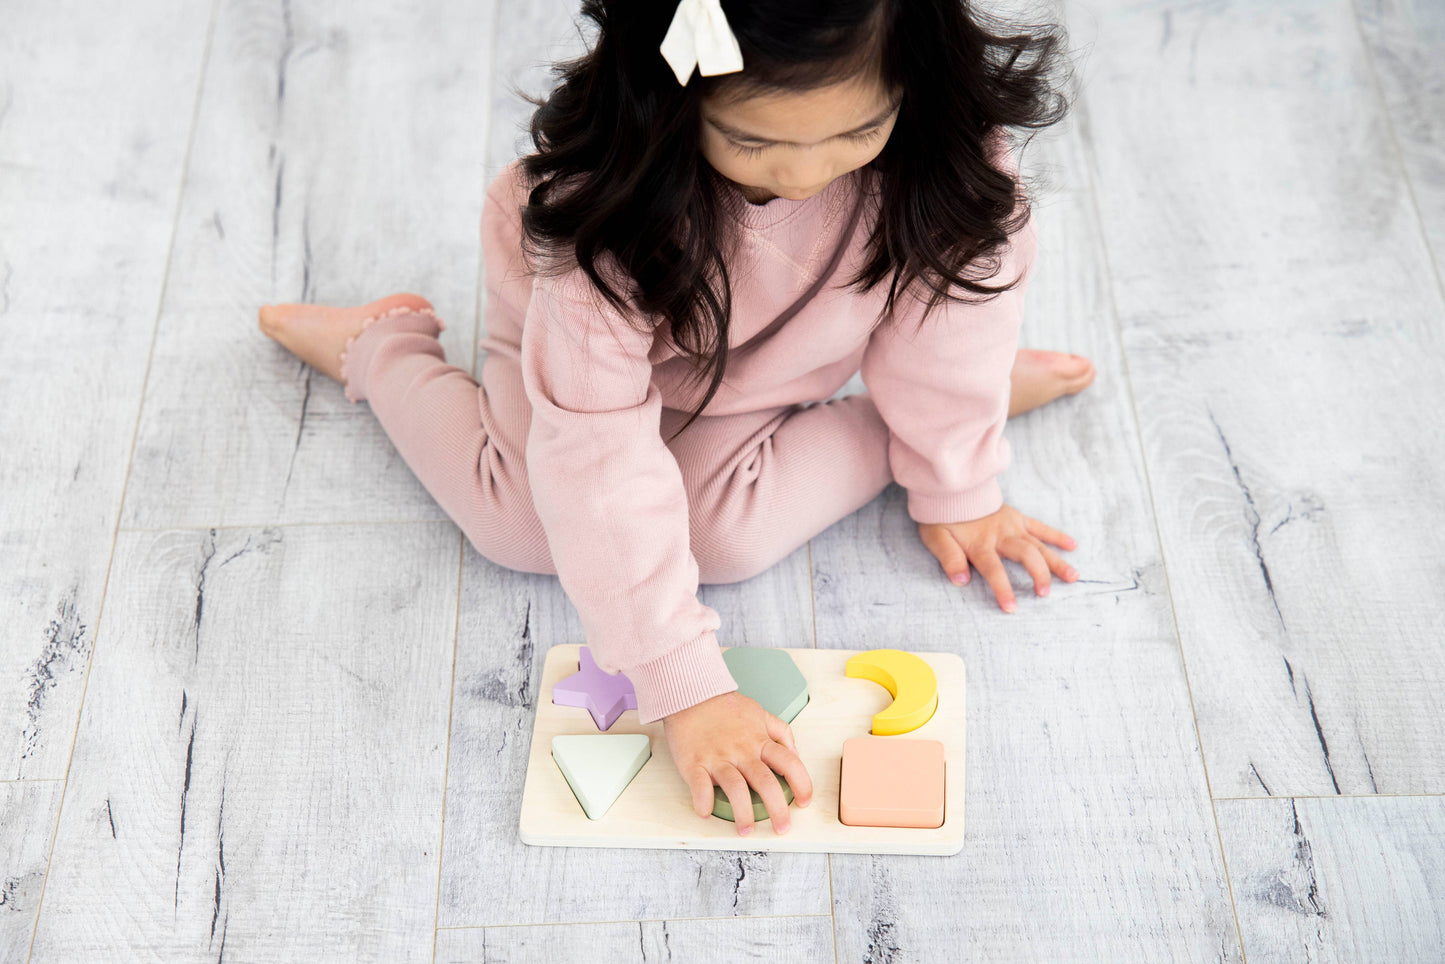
(990,566)
(949,553)
(1027,553)
(1057,565)
(780,731)
(699,784)
(1040,531)
(768,787)
(736,789)
(790,765)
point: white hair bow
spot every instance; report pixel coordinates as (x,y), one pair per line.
(699,36)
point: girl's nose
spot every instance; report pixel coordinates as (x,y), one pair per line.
(803,180)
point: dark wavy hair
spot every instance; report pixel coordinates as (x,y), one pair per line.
(618,185)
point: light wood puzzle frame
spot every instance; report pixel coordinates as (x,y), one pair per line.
(655,811)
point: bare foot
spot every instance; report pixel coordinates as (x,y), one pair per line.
(318,334)
(1039,377)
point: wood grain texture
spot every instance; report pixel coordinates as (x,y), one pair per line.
(28,810)
(1338,880)
(1406,40)
(263,740)
(655,810)
(1090,829)
(508,622)
(89,172)
(1251,185)
(1280,394)
(335,161)
(776,940)
(1303,553)
(1241,225)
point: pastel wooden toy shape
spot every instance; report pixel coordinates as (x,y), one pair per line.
(888,782)
(721,807)
(769,676)
(908,678)
(599,766)
(604,695)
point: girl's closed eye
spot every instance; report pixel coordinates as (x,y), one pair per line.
(753,150)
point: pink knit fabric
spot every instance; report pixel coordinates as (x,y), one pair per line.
(599,387)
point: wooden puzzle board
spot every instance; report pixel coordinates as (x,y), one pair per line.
(655,811)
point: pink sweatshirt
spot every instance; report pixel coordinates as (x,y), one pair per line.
(604,483)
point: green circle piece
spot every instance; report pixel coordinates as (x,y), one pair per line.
(722,808)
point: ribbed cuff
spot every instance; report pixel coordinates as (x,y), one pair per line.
(977,502)
(356,356)
(683,677)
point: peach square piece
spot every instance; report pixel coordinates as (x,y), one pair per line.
(890,781)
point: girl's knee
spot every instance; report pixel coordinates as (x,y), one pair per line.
(732,562)
(516,544)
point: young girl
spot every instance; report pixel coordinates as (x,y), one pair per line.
(822,197)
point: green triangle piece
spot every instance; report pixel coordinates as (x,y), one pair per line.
(599,766)
(769,676)
(722,808)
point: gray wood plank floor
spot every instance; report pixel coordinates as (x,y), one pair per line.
(249,668)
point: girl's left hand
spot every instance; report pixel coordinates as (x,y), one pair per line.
(1007,532)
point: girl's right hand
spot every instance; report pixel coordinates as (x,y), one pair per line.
(732,741)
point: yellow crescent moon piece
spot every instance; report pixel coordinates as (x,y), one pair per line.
(908,678)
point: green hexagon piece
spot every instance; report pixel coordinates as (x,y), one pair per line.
(769,676)
(722,808)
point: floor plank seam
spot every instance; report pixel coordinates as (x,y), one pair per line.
(813,612)
(241,526)
(21,781)
(447,755)
(1384,109)
(812,595)
(632,920)
(479,300)
(1340,796)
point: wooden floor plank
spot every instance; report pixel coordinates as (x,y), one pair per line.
(89,173)
(1282,323)
(1338,880)
(263,741)
(335,161)
(1250,204)
(1406,39)
(1303,555)
(1089,833)
(529,39)
(28,810)
(1251,183)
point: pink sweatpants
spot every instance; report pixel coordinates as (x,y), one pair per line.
(759,484)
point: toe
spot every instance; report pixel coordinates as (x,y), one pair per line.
(1084,378)
(1079,368)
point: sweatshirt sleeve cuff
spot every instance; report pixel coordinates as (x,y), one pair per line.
(977,502)
(683,677)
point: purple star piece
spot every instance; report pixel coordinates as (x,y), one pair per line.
(604,695)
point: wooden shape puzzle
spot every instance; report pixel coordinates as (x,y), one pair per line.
(891,782)
(722,807)
(599,766)
(656,810)
(769,676)
(909,680)
(604,695)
